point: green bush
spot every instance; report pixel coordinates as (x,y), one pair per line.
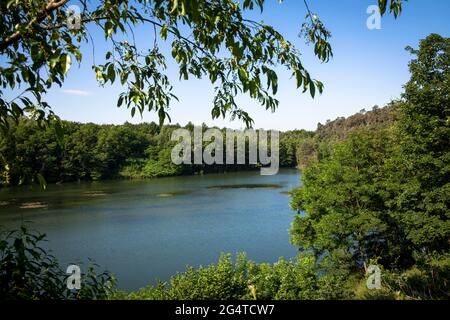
(29,272)
(245,279)
(428,279)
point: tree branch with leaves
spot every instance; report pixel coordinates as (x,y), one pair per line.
(238,55)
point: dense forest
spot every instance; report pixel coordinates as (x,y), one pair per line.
(96,152)
(375,191)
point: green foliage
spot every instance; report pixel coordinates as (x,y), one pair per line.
(383,194)
(373,120)
(40,40)
(29,272)
(158,165)
(236,54)
(30,153)
(428,279)
(245,279)
(343,202)
(424,160)
(83,152)
(314,147)
(395,6)
(291,143)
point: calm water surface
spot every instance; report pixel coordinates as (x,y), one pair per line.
(147,230)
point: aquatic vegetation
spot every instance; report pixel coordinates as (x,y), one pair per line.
(247,186)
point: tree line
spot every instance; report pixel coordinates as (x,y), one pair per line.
(96,152)
(87,151)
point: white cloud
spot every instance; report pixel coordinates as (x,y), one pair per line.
(77,92)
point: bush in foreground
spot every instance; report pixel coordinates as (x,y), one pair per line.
(29,272)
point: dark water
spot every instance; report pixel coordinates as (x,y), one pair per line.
(147,230)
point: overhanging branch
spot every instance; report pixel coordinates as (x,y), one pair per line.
(16,36)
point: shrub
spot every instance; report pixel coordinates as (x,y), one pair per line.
(27,271)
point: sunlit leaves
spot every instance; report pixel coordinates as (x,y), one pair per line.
(425,142)
(314,31)
(211,39)
(252,49)
(66,62)
(395,6)
(40,58)
(148,88)
(383,193)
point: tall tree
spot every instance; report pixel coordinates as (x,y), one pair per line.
(425,145)
(383,194)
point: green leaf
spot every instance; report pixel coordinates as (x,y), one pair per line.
(111,73)
(120,101)
(312,89)
(42,181)
(243,75)
(99,75)
(66,62)
(163,31)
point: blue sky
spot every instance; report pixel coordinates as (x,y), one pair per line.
(369,68)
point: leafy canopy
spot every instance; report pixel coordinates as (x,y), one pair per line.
(40,40)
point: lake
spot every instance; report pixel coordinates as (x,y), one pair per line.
(143,230)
